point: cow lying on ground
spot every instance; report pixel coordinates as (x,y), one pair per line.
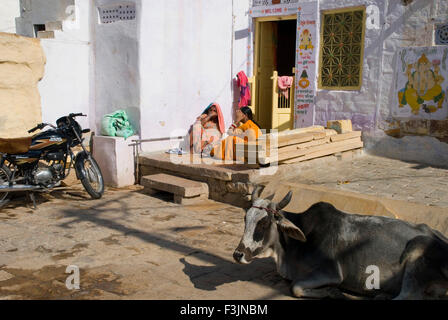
(326,252)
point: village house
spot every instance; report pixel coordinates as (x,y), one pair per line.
(352,162)
(165,61)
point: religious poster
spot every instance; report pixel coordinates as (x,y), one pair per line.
(421,83)
(306,48)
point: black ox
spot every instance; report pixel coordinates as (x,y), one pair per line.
(327,253)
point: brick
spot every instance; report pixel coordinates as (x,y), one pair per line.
(341,126)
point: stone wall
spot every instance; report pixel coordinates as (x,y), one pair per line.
(22,62)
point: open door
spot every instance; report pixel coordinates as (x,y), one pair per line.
(275,49)
(266,64)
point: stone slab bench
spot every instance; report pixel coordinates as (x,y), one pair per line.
(185,191)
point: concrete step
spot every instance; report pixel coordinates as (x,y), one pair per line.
(182,189)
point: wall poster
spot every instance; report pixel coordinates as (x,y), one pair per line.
(421,83)
(306,47)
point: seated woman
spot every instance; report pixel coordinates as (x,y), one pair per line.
(249,130)
(207,130)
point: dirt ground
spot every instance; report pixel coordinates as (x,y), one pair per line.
(128,245)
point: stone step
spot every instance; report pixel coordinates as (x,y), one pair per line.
(180,187)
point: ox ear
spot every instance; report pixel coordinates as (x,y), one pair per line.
(256,193)
(291,230)
(270,197)
(284,201)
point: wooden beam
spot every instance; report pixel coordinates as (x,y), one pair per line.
(300,138)
(345,136)
(330,147)
(351,146)
(304,145)
(330,132)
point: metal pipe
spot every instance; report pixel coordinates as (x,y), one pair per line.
(157,139)
(19,187)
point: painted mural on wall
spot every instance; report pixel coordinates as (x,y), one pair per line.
(421,83)
(305,87)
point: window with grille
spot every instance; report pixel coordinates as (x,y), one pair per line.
(442,34)
(342,49)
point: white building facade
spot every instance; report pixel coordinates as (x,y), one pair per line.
(165,61)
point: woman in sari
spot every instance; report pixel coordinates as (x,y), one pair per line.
(207,130)
(249,130)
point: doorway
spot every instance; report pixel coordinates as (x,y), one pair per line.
(275,48)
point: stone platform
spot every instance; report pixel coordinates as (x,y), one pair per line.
(228,183)
(362,184)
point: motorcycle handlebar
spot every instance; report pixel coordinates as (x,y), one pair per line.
(32,130)
(40,126)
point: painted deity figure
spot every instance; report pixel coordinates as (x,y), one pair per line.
(306,41)
(424,87)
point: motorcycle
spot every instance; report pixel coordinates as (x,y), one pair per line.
(39,163)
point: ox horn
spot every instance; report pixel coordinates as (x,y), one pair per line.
(256,193)
(285,201)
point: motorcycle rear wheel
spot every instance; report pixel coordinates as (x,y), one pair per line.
(91,177)
(5,178)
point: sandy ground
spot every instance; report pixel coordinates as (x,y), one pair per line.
(128,245)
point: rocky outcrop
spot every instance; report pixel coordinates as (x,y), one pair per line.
(22,63)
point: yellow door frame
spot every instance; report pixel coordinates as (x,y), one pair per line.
(256,46)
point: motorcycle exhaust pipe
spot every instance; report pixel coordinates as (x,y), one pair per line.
(19,187)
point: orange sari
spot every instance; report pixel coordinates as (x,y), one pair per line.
(248,131)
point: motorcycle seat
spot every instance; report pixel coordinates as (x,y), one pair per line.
(15,145)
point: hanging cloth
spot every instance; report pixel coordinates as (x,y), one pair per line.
(243,84)
(284,83)
(221,126)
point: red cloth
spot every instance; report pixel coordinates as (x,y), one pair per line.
(243,84)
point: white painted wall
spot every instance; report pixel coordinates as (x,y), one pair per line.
(359,106)
(65,87)
(185,64)
(399,26)
(242,44)
(67,83)
(117,72)
(8,12)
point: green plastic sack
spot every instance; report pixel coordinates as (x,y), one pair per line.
(116,124)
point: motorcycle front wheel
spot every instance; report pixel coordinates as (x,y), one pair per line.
(5,178)
(90,175)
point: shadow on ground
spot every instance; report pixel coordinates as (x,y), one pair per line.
(218,271)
